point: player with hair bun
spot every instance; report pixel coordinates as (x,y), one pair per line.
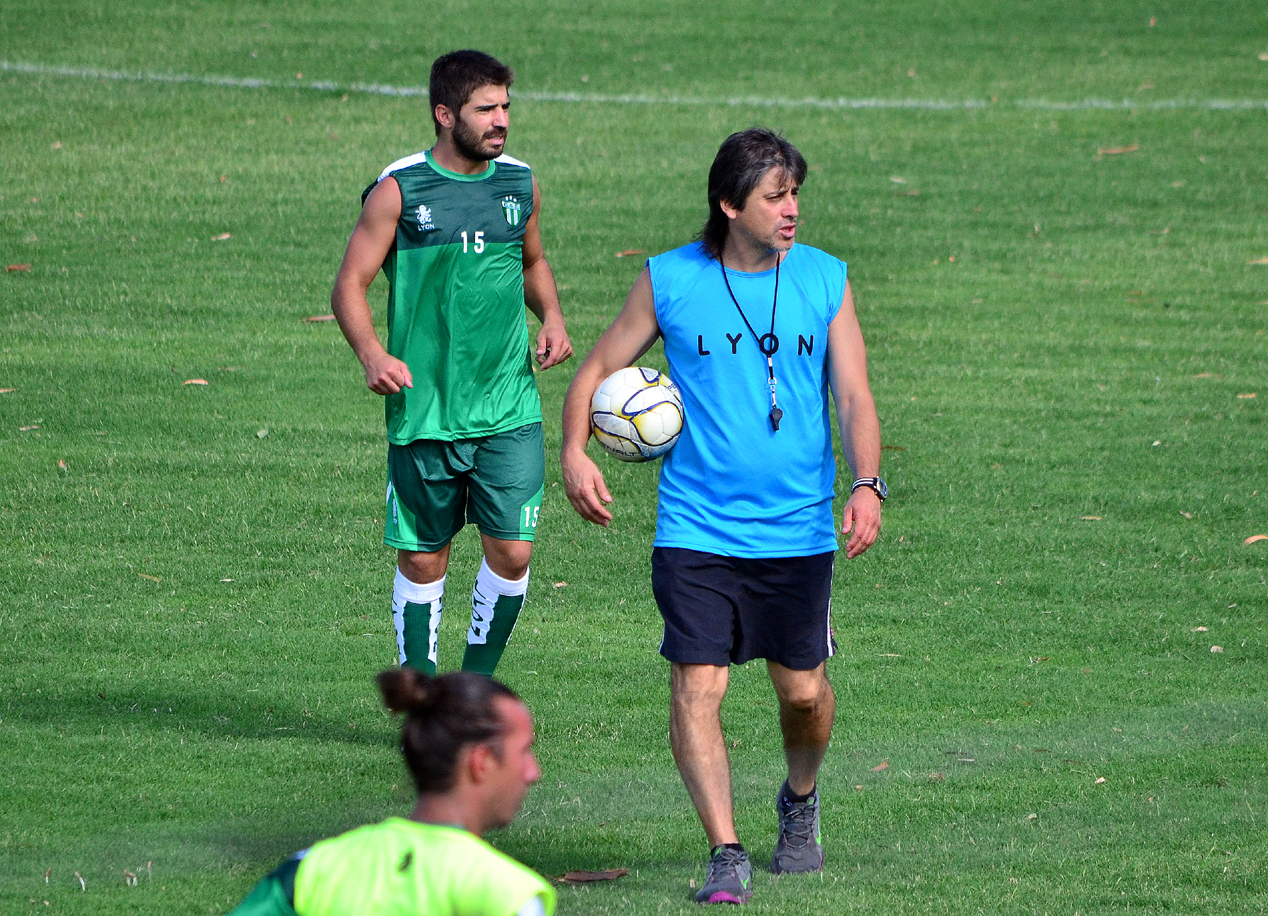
(468,742)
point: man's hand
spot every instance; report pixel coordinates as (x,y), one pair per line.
(863,515)
(385,374)
(553,345)
(583,482)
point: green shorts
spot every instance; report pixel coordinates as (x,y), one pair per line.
(436,487)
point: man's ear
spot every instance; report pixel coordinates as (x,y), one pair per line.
(480,759)
(444,114)
(731,211)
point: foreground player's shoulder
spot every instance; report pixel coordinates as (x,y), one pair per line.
(822,272)
(693,255)
(405,162)
(500,884)
(510,162)
(417,160)
(818,259)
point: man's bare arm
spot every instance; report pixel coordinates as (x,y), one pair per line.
(541,295)
(860,426)
(626,339)
(367,248)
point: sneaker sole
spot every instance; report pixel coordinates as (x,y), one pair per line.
(725,897)
(776,869)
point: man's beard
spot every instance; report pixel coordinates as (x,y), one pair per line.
(467,142)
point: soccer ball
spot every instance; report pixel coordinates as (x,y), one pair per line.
(636,414)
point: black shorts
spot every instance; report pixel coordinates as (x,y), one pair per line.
(729,610)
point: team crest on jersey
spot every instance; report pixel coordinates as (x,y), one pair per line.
(511,210)
(425,223)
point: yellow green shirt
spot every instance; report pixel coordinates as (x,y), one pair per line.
(401,867)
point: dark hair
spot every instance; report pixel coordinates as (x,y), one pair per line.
(442,716)
(454,76)
(742,162)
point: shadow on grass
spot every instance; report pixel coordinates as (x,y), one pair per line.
(209,714)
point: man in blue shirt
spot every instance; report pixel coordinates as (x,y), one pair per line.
(745,537)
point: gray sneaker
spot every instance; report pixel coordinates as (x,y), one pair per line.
(730,874)
(798,848)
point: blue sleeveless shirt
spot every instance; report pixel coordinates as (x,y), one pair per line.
(733,485)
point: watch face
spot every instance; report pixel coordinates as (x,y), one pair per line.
(882,489)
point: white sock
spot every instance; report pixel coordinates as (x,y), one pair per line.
(429,595)
(489,586)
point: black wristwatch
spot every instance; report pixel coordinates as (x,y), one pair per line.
(874,483)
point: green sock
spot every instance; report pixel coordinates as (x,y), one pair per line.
(416,613)
(493,616)
(484,657)
(418,652)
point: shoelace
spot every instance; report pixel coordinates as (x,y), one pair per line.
(799,822)
(726,860)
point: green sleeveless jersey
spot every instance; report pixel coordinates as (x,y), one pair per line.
(401,867)
(456,301)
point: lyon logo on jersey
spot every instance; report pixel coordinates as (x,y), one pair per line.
(425,223)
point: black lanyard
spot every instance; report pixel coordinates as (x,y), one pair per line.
(767,343)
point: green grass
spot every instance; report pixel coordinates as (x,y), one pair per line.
(191,611)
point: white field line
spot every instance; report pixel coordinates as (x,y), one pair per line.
(233,82)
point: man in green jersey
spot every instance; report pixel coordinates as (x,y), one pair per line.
(468,742)
(455,229)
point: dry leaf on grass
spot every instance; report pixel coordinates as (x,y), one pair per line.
(196,381)
(883,765)
(320,318)
(1118,150)
(16,267)
(1208,375)
(1255,537)
(27,429)
(7,390)
(1217,649)
(630,252)
(1256,261)
(221,237)
(590,877)
(560,585)
(1091,518)
(61,463)
(83,886)
(1249,394)
(149,578)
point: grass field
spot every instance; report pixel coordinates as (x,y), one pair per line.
(1051,682)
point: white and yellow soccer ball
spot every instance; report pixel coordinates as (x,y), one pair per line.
(636,414)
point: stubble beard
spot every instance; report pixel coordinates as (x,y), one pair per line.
(469,144)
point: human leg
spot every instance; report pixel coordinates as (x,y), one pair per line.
(417,606)
(496,602)
(807,707)
(426,499)
(505,489)
(695,736)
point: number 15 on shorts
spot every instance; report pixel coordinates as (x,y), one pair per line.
(529,513)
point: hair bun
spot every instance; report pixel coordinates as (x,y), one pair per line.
(408,690)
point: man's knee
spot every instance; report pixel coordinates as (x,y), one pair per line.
(423,567)
(509,559)
(697,686)
(801,691)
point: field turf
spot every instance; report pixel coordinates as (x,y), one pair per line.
(1051,678)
